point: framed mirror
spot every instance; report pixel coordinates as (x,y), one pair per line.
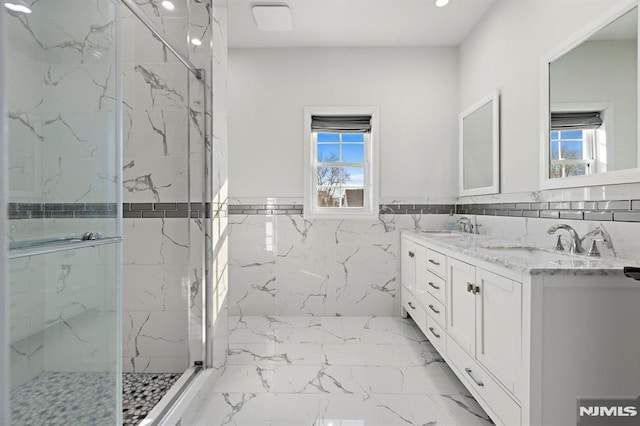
(590,105)
(479,147)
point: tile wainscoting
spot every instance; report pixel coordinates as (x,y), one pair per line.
(283,264)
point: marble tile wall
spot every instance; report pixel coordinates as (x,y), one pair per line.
(63,309)
(283,264)
(217,229)
(63,134)
(168,137)
(160,130)
(63,102)
(611,207)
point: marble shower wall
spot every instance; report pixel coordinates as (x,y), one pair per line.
(62,112)
(62,102)
(63,308)
(167,139)
(218,228)
(63,144)
(283,264)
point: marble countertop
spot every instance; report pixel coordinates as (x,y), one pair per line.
(524,258)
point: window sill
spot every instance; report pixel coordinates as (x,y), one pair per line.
(361,215)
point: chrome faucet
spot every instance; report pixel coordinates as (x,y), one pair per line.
(465,224)
(576,241)
(606,240)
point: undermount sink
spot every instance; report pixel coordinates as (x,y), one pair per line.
(538,253)
(443,233)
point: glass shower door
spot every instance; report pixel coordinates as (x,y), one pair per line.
(64,220)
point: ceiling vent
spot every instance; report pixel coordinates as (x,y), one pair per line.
(273,17)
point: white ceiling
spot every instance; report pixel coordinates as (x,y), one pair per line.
(359,23)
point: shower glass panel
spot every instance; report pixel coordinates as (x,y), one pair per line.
(64,328)
(164,204)
(64,220)
(62,120)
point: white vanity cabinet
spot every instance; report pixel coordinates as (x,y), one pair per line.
(461,304)
(408,264)
(409,276)
(485,319)
(526,339)
(484,315)
(499,328)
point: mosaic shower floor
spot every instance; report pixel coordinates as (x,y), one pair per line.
(63,398)
(141,392)
(67,398)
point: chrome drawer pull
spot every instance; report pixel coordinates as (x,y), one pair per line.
(434,309)
(478,382)
(411,305)
(433,332)
(434,262)
(433,285)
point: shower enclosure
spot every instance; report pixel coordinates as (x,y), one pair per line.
(63,167)
(114,240)
(167,206)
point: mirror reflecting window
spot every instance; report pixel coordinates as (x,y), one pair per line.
(479,146)
(593,103)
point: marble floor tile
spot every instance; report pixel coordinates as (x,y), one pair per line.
(407,353)
(275,353)
(336,371)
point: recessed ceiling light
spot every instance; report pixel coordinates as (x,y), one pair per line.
(273,17)
(20,8)
(196,42)
(168,5)
(442,3)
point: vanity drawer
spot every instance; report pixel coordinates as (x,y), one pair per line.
(436,286)
(436,262)
(436,335)
(507,410)
(415,310)
(436,310)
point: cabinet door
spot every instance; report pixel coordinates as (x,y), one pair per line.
(421,275)
(499,327)
(461,304)
(408,264)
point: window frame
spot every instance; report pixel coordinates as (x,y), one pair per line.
(589,142)
(371,166)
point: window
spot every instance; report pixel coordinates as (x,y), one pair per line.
(578,144)
(572,152)
(339,166)
(341,162)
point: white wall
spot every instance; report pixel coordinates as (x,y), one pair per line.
(572,80)
(504,52)
(416,89)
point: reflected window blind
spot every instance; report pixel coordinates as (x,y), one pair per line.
(576,120)
(341,124)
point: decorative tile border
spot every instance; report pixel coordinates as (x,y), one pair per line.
(164,210)
(609,210)
(297,209)
(62,210)
(418,208)
(264,209)
(106,210)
